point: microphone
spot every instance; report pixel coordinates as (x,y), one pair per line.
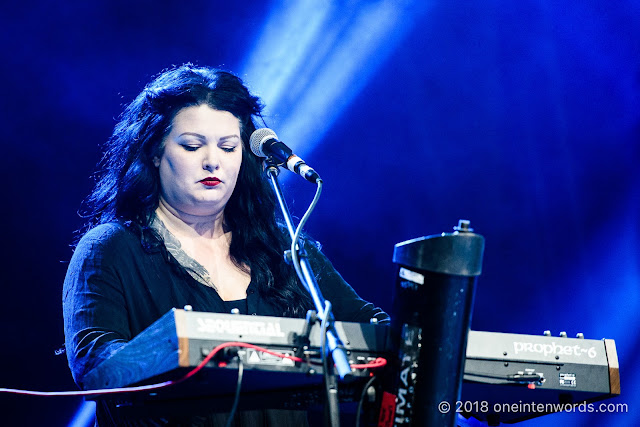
(264,143)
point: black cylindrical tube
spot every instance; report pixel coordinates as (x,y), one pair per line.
(432,307)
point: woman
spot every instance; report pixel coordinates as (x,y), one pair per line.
(181,215)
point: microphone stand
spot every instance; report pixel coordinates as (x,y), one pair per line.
(334,344)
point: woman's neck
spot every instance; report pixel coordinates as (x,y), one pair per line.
(184,225)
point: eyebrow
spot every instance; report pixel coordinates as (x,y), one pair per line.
(199,136)
(228,137)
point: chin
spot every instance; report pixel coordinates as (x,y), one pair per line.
(206,208)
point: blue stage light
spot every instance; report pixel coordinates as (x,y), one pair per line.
(312,60)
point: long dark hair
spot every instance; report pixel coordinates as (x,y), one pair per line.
(128,184)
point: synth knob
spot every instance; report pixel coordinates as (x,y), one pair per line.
(188,308)
(235,311)
(547,333)
(580,335)
(563,334)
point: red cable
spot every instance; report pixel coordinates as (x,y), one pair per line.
(378,363)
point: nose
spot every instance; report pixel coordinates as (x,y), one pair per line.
(210,162)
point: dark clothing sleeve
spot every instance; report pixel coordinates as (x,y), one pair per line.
(94,303)
(114,289)
(347,305)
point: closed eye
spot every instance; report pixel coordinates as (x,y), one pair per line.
(191,147)
(229,143)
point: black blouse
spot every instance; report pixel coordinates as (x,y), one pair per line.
(239,304)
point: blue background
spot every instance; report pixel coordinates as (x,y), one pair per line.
(523,117)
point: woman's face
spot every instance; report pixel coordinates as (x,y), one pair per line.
(200,161)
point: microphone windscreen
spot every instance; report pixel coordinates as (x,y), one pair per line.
(258,138)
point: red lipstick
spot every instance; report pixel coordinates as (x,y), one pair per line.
(210,181)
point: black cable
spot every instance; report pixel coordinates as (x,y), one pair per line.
(518,378)
(362,396)
(237,398)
